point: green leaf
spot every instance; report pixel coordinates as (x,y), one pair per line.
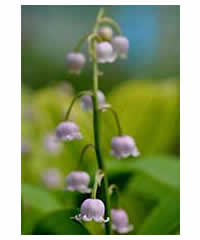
(147,188)
(164,170)
(164,218)
(39,199)
(156,181)
(60,223)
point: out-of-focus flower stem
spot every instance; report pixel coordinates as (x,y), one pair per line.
(100,161)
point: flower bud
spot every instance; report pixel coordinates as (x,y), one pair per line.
(106,33)
(105,53)
(52,178)
(75,62)
(67,131)
(124,146)
(86,101)
(120,45)
(92,209)
(51,144)
(120,221)
(78,181)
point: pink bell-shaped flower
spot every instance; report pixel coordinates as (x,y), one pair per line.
(123,147)
(78,181)
(67,131)
(75,62)
(120,221)
(92,209)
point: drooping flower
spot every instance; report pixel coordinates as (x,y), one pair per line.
(106,33)
(120,45)
(92,209)
(51,144)
(124,146)
(75,62)
(86,101)
(78,181)
(67,131)
(105,53)
(120,221)
(51,178)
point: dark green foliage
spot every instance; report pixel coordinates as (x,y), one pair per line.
(59,223)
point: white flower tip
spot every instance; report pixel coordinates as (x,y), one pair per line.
(77,217)
(86,219)
(125,229)
(85,190)
(135,152)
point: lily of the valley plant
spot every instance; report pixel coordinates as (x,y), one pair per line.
(105,44)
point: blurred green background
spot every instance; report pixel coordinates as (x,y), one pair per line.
(144,90)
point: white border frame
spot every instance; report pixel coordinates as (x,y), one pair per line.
(10,22)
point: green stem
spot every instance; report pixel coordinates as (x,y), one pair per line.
(112,23)
(80,42)
(86,147)
(94,190)
(84,39)
(100,161)
(105,108)
(73,101)
(91,38)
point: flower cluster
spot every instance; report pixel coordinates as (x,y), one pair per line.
(104,46)
(108,49)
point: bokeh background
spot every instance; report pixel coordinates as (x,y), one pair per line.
(144,90)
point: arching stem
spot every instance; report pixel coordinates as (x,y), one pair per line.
(86,147)
(112,23)
(81,42)
(73,101)
(115,115)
